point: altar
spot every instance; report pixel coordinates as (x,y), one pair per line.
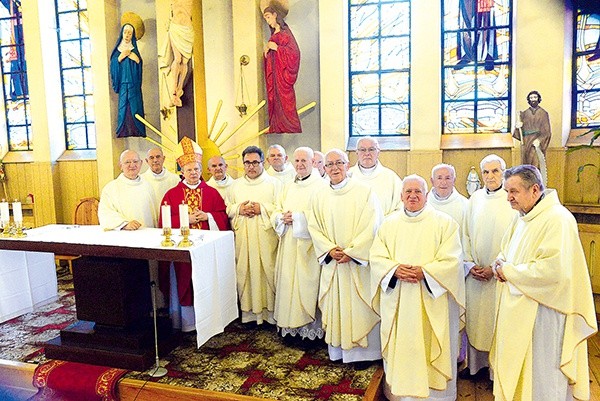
(27,281)
(112,289)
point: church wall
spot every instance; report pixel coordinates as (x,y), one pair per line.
(78,179)
(236,27)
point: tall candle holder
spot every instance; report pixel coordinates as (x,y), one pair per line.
(19,230)
(185,242)
(5,229)
(167,234)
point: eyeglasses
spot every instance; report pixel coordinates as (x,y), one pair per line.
(365,150)
(130,162)
(253,163)
(338,163)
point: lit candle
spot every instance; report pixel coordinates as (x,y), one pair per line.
(166,215)
(17,212)
(184,217)
(4,213)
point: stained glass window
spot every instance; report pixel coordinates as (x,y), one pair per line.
(14,77)
(379,41)
(586,66)
(76,74)
(476,66)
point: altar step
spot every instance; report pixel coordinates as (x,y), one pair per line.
(15,380)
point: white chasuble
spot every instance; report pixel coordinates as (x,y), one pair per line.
(386,184)
(123,200)
(487,218)
(547,285)
(419,330)
(347,218)
(255,246)
(297,271)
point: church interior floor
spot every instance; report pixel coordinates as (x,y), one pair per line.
(22,338)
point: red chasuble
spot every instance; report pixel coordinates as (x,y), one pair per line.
(208,200)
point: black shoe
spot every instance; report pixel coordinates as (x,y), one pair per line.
(362,365)
(465,374)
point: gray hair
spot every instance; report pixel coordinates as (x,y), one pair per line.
(278,147)
(370,138)
(340,153)
(418,178)
(492,158)
(528,173)
(309,151)
(125,152)
(157,148)
(443,165)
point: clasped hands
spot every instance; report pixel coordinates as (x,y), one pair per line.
(409,273)
(339,256)
(270,46)
(128,53)
(197,216)
(482,273)
(249,209)
(287,218)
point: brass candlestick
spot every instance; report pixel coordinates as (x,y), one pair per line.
(185,242)
(5,230)
(167,234)
(19,230)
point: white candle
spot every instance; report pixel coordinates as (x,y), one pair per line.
(166,216)
(17,212)
(184,217)
(4,213)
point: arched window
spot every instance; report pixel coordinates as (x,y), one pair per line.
(476,66)
(14,77)
(586,65)
(72,24)
(379,49)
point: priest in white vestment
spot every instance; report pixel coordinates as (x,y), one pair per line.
(444,196)
(250,203)
(487,217)
(343,222)
(545,308)
(219,180)
(158,176)
(418,288)
(297,270)
(278,164)
(319,164)
(127,202)
(385,182)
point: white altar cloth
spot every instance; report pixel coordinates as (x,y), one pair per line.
(212,256)
(27,281)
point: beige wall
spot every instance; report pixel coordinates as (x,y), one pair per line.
(235,27)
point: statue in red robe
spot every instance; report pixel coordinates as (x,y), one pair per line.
(282,62)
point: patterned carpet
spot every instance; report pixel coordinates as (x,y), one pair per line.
(245,359)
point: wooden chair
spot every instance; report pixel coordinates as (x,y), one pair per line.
(86,214)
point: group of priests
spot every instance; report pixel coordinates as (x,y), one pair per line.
(383,268)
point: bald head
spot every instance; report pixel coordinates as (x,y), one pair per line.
(303,161)
(130,164)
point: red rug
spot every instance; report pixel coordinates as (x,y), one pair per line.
(71,381)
